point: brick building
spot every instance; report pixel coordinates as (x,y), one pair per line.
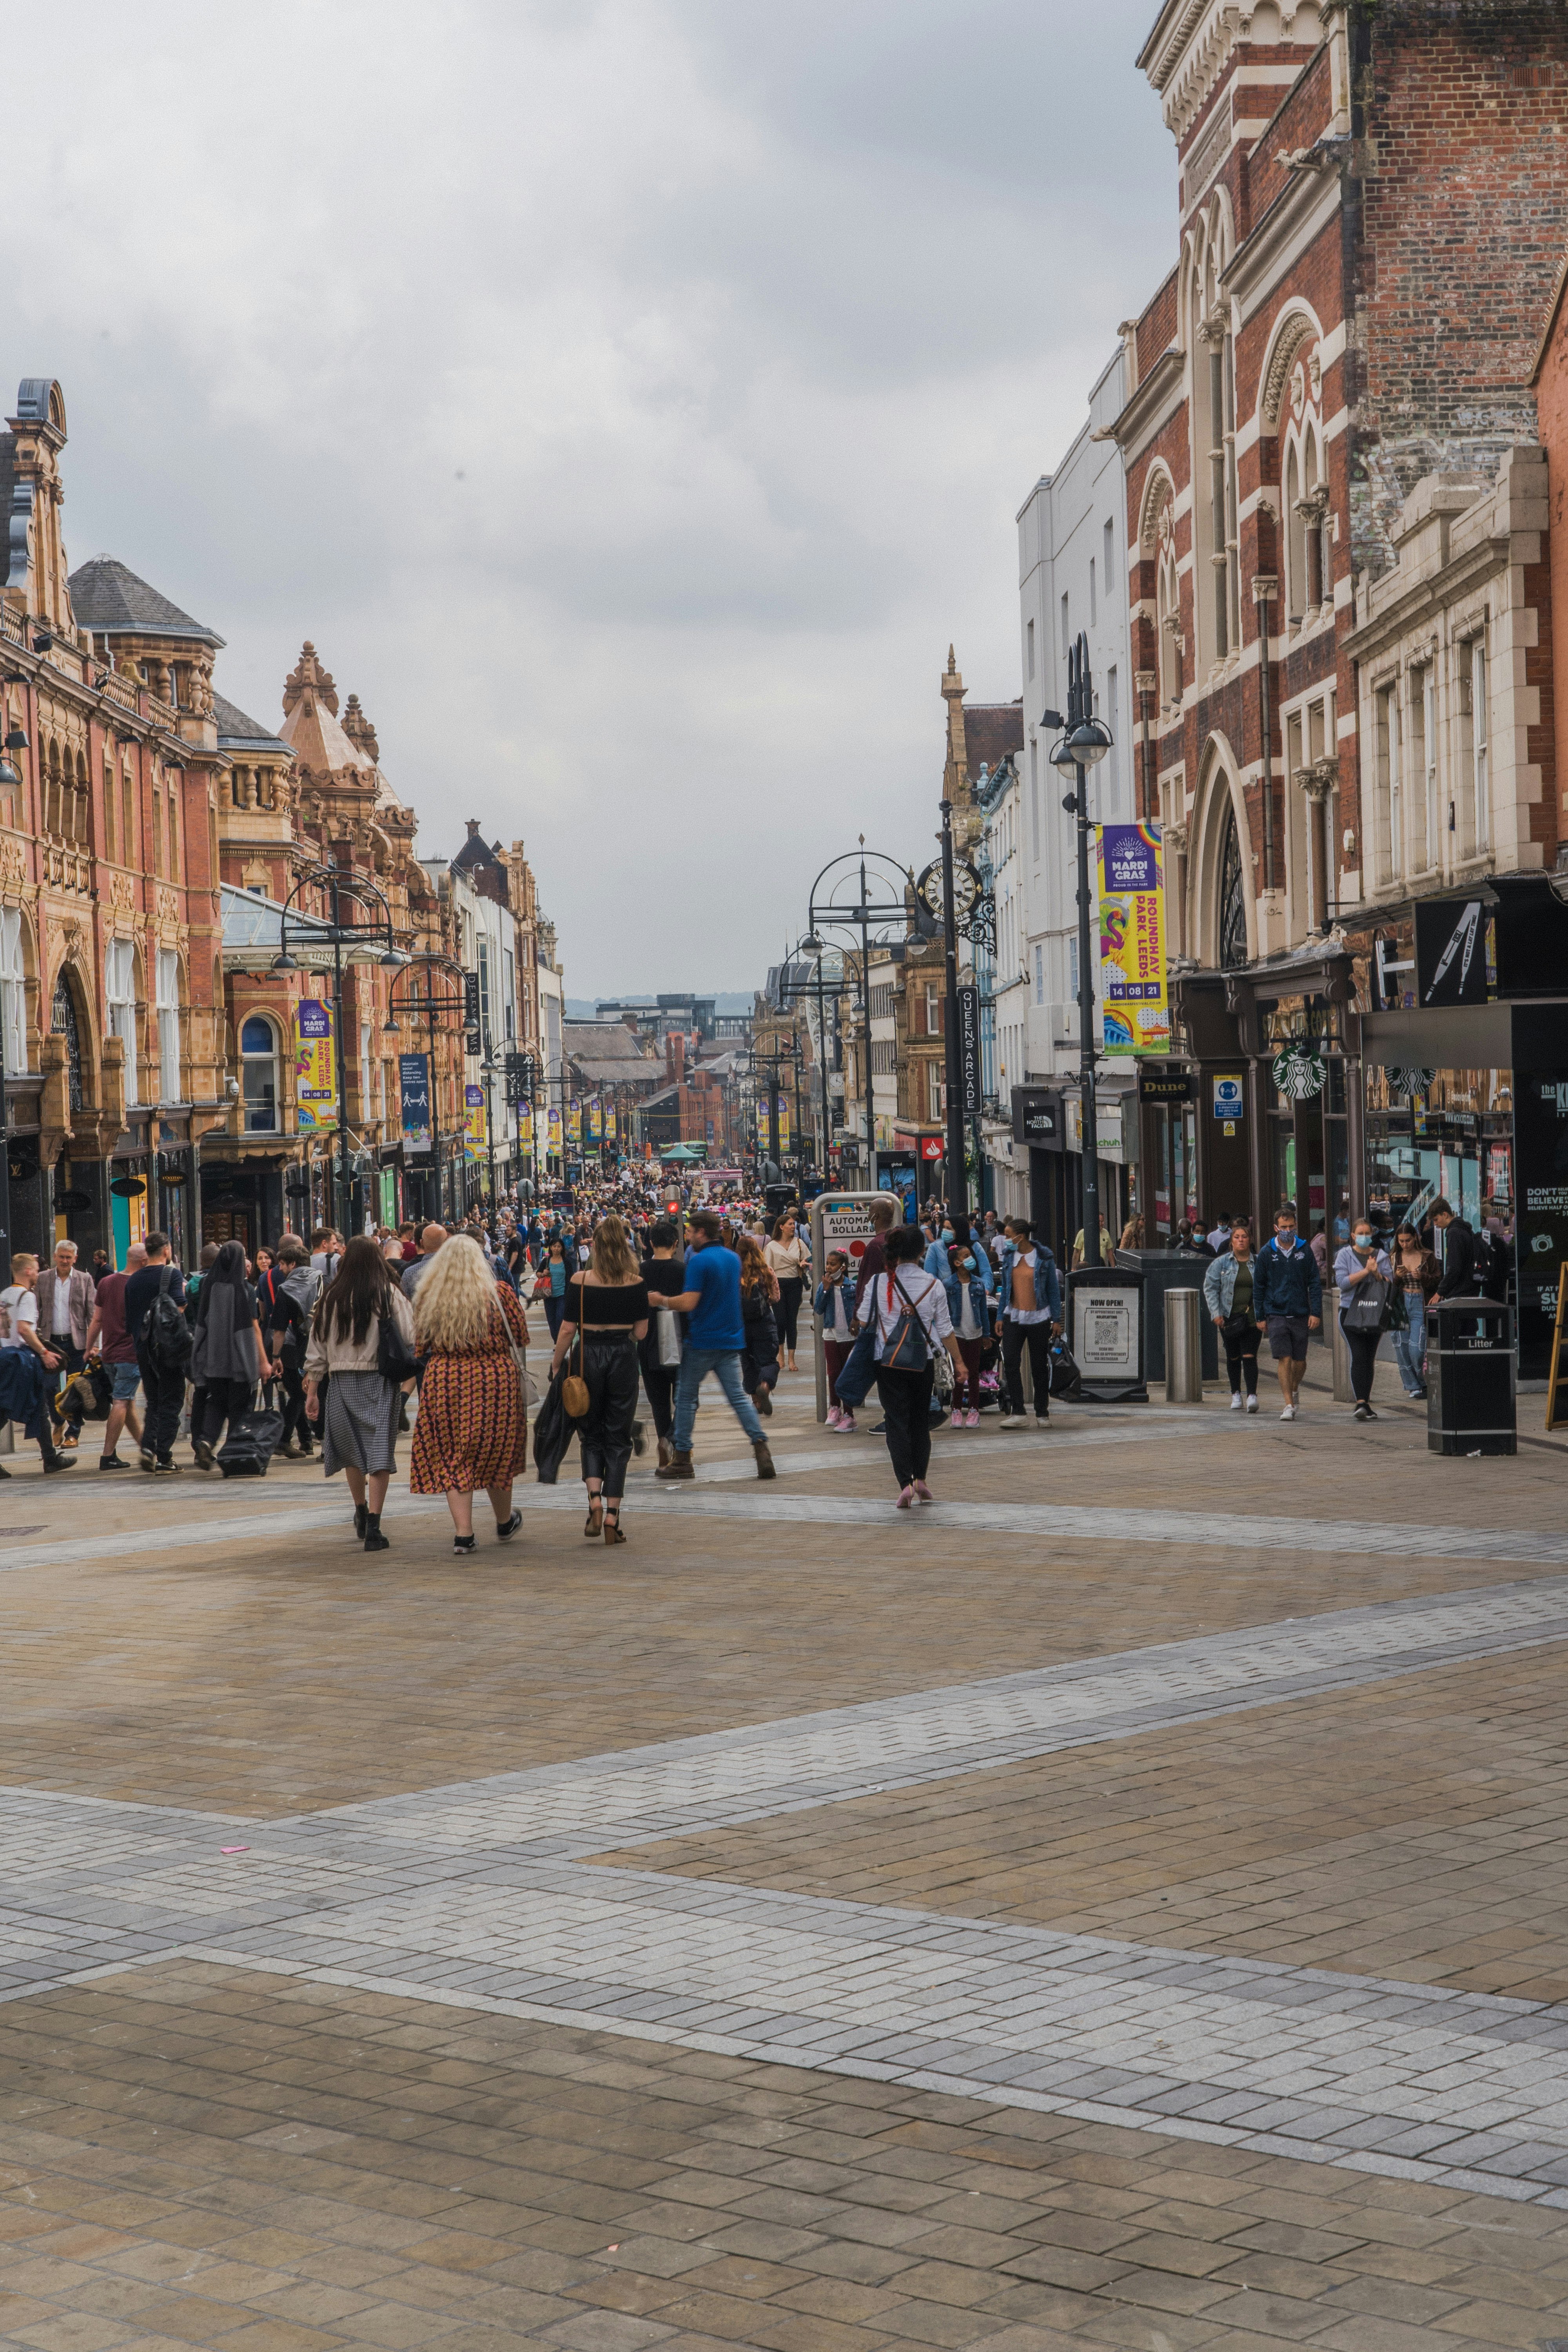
(1329,436)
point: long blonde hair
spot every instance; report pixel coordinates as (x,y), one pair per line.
(455,1297)
(612,1258)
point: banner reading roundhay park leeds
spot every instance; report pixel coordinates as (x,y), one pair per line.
(315,1067)
(1133,988)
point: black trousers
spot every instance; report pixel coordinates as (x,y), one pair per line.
(223,1400)
(610,1369)
(166,1394)
(786,1312)
(293,1404)
(905,1400)
(1241,1354)
(1362,1345)
(660,1382)
(1037,1338)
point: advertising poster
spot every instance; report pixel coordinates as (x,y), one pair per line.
(609,1123)
(525,1127)
(475,1131)
(1132,987)
(784,1126)
(554,1131)
(575,1125)
(592,1129)
(1540,1231)
(315,1078)
(414,1086)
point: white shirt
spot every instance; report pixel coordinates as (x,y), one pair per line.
(968,1329)
(17,1307)
(60,1317)
(922,1292)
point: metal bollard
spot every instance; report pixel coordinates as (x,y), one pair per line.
(1183,1348)
(1341,1354)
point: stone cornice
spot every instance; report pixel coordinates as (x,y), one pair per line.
(1145,411)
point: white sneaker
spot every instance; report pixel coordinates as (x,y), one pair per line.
(1252,1404)
(957,1417)
(1288,1413)
(1235,1404)
(1011,1421)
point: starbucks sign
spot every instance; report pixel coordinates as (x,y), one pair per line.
(1299,1075)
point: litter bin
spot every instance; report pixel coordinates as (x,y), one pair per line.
(1471,1378)
(1159,1271)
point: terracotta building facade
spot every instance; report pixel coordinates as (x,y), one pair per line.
(1339,587)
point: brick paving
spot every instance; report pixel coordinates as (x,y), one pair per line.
(1324,1888)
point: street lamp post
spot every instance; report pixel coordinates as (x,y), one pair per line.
(1084,744)
(860,916)
(430,1004)
(957,1182)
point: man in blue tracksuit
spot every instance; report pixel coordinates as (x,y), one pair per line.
(1288,1300)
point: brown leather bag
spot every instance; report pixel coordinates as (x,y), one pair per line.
(574,1388)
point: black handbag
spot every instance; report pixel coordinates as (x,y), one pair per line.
(393,1361)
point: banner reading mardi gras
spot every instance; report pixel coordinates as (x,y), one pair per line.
(1133,984)
(315,1068)
(476,1131)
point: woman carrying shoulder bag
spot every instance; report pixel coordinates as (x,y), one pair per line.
(606,1313)
(1366,1281)
(362,1334)
(906,1309)
(788,1259)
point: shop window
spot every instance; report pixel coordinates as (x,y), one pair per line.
(12,990)
(168,1008)
(259,1085)
(120,994)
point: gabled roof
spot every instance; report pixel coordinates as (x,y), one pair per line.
(107,595)
(237,732)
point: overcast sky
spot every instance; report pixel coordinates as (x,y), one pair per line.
(631,401)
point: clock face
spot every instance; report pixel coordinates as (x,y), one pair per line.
(965,887)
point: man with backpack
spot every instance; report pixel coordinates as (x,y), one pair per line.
(1474,1264)
(154,1315)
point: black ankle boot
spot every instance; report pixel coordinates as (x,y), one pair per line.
(362,1517)
(373,1538)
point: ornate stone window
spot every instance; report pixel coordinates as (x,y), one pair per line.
(12,990)
(119,995)
(259,1091)
(63,1022)
(1232,898)
(168,1005)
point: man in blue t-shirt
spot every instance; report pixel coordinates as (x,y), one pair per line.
(715,1335)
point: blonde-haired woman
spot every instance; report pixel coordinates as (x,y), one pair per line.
(608,1305)
(470,1430)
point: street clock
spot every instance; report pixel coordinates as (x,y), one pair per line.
(965,890)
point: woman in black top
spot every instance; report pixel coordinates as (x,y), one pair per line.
(609,1304)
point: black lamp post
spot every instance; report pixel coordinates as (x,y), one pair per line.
(957,1181)
(851,871)
(340,883)
(1084,744)
(430,1004)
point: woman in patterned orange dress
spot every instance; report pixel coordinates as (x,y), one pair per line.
(471,1430)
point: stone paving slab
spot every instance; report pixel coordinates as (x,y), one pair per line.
(202,2155)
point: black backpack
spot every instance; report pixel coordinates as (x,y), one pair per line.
(164,1333)
(1492,1264)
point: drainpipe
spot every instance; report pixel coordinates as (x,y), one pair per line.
(1265,587)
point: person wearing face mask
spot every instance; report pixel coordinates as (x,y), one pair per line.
(1365,1280)
(1228,1294)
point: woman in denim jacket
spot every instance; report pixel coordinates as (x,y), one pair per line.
(967,1284)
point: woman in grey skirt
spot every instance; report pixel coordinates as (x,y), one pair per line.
(360,1427)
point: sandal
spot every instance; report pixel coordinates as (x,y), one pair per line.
(613,1532)
(595,1518)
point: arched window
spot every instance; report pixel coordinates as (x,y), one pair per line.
(259,1085)
(119,995)
(1232,899)
(63,1022)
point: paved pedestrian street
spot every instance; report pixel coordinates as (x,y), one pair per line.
(1122,1904)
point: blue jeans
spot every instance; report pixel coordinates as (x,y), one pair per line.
(724,1363)
(1409,1347)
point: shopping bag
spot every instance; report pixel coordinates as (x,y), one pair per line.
(854,1382)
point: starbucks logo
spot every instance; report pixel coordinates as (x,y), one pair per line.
(1300,1075)
(1408,1081)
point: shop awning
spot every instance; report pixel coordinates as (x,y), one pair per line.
(253,935)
